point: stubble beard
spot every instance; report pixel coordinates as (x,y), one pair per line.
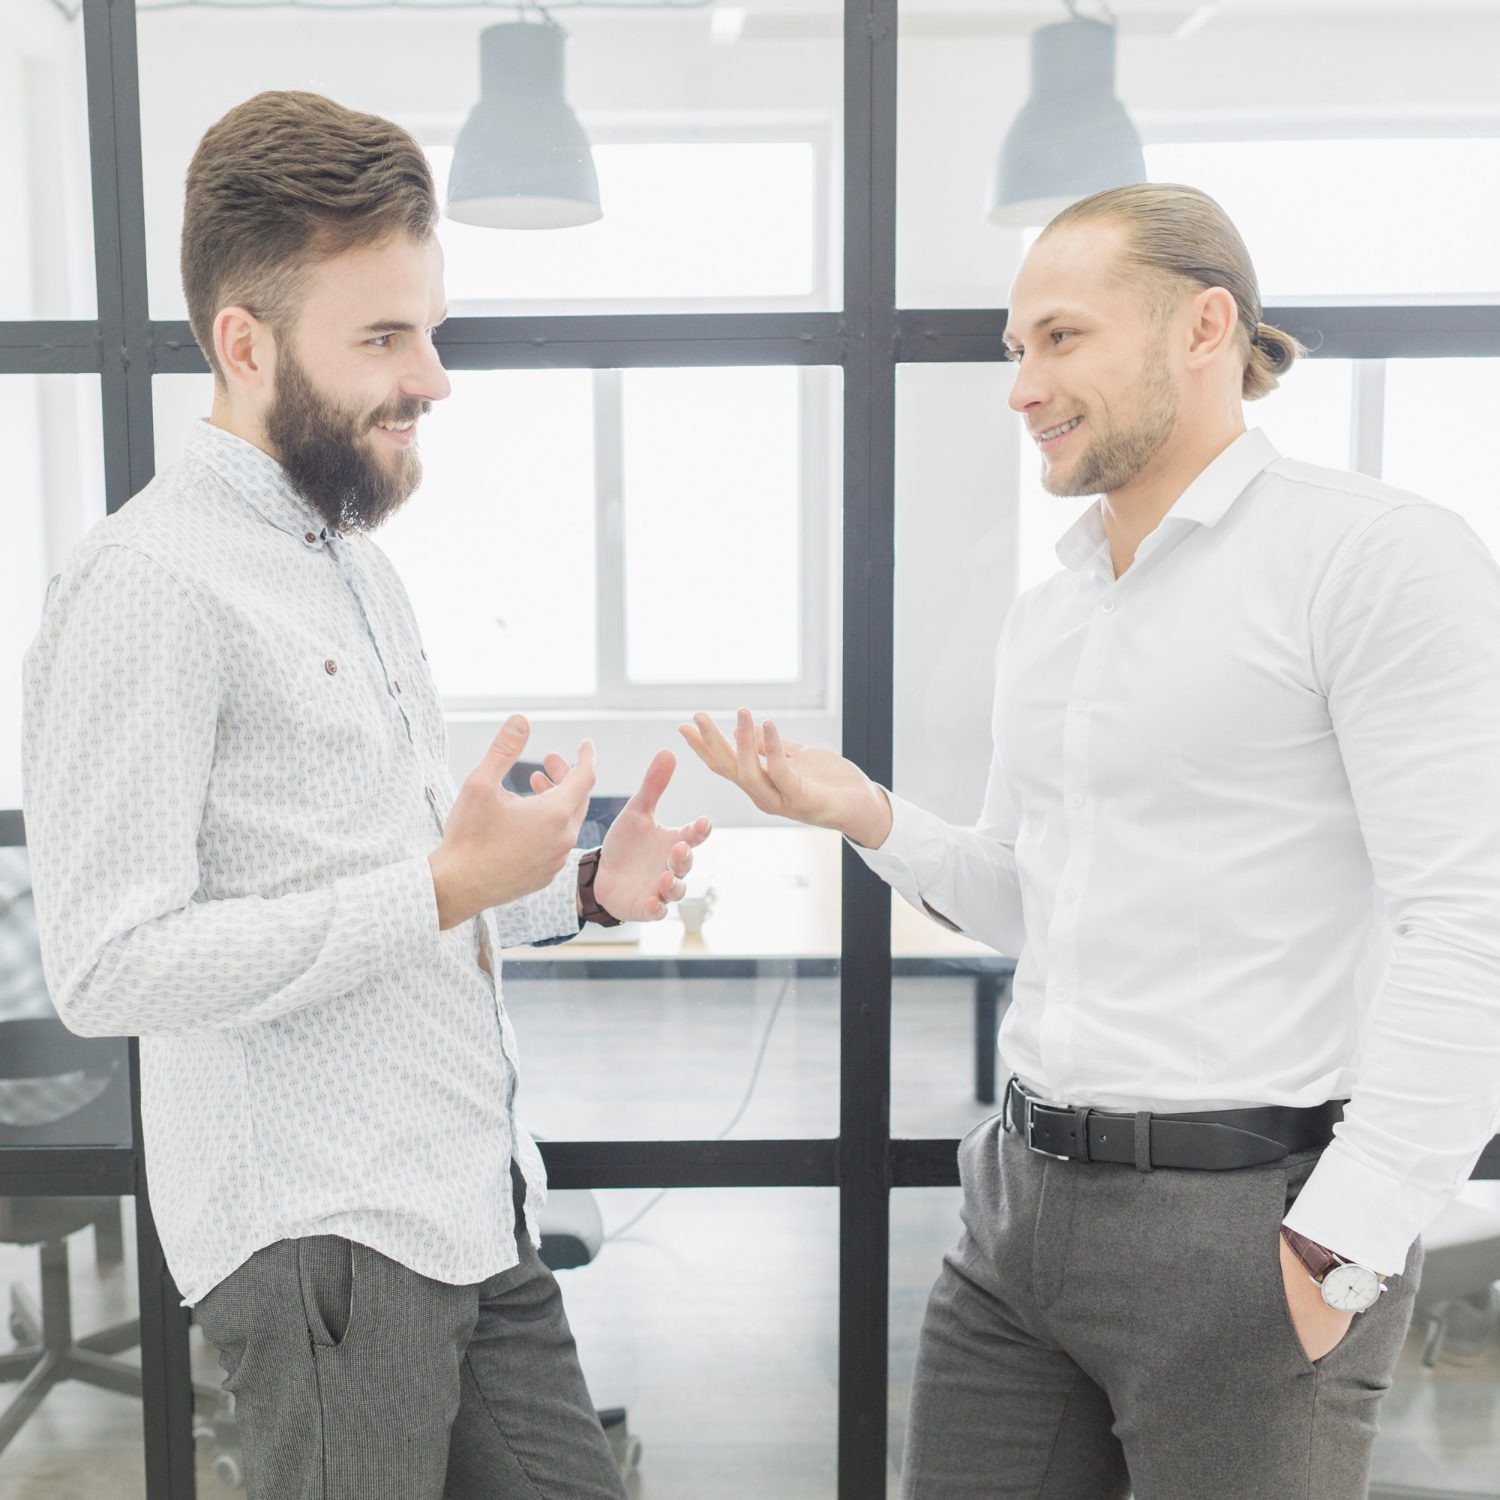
(327,451)
(1116,455)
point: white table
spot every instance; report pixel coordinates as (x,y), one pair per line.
(778,901)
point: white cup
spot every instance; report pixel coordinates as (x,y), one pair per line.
(694,911)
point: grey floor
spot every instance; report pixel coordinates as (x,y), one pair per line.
(713,1320)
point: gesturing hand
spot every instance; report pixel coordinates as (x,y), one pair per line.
(794,781)
(642,864)
(498,847)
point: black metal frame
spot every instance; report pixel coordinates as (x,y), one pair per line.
(868,339)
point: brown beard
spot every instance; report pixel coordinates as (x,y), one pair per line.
(1115,455)
(326,451)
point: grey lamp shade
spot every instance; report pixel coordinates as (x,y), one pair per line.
(522,160)
(1072,136)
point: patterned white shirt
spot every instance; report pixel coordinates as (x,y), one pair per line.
(235,767)
(1242,829)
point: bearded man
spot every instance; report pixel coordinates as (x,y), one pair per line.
(247,850)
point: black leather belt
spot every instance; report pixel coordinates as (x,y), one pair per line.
(1212,1140)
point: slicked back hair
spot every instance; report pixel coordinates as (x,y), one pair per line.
(1179,239)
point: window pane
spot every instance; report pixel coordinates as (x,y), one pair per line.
(713,1321)
(51,433)
(727,1032)
(924,1224)
(717,158)
(497,547)
(712,525)
(47,249)
(1308,415)
(683,220)
(1335,219)
(958,448)
(83,1441)
(1439,436)
(1356,159)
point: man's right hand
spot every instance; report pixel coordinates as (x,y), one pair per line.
(794,781)
(498,847)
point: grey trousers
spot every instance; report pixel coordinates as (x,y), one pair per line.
(355,1378)
(1100,1331)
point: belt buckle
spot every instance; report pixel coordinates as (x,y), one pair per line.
(1028,1123)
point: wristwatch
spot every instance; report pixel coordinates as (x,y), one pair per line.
(588,868)
(1345,1286)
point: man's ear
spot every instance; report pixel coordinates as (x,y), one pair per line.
(1215,322)
(246,350)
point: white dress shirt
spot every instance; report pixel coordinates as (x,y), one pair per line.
(235,767)
(1242,830)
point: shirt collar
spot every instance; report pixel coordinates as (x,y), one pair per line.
(257,478)
(1206,500)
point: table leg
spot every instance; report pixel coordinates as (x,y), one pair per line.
(986,1024)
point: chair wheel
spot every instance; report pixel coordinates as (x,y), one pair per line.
(228,1472)
(203,1438)
(630,1460)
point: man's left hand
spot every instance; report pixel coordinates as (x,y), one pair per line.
(1318,1327)
(642,864)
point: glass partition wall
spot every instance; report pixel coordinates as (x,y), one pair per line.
(762,403)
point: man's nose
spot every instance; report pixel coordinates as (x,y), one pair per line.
(428,379)
(1025,391)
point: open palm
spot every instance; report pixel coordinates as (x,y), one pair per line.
(791,779)
(642,864)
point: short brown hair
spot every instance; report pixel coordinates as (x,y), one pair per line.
(284,181)
(1181,238)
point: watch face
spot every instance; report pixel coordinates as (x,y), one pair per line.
(1350,1288)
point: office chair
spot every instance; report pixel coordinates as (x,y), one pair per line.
(572,1233)
(56,1088)
(1460,1267)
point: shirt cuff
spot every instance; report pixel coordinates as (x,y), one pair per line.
(556,917)
(912,853)
(401,903)
(1360,1213)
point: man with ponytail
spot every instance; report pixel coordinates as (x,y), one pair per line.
(1242,834)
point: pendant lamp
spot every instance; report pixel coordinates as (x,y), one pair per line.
(522,160)
(1072,136)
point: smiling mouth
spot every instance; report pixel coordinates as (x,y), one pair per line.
(1049,435)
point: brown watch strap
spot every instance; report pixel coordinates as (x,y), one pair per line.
(1318,1260)
(588,870)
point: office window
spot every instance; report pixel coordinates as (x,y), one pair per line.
(717,164)
(1439,436)
(624,539)
(1334,219)
(50,431)
(47,248)
(687,222)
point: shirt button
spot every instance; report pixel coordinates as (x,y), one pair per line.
(1059,993)
(311,536)
(396,685)
(424,654)
(1109,606)
(330,666)
(1077,799)
(431,795)
(1079,704)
